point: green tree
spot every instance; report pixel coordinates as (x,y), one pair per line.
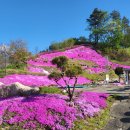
(115,35)
(18,54)
(115,15)
(126,39)
(66,70)
(125,24)
(114,30)
(126,31)
(96,23)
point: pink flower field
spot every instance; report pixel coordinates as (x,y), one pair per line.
(53,111)
(49,111)
(37,81)
(79,53)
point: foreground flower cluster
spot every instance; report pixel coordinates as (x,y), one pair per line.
(38,112)
(90,103)
(49,111)
(31,80)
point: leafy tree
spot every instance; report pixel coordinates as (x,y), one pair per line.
(119,72)
(61,62)
(118,28)
(66,70)
(126,31)
(125,24)
(114,30)
(18,54)
(115,36)
(115,15)
(96,23)
(126,39)
(111,32)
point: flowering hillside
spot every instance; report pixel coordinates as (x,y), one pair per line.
(91,62)
(53,111)
(33,81)
(49,111)
(80,53)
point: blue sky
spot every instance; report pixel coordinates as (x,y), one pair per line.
(41,22)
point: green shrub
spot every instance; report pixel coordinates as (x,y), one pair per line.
(50,90)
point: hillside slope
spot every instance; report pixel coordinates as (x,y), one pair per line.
(88,58)
(94,65)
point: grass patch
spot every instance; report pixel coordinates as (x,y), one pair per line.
(82,62)
(98,122)
(18,71)
(52,90)
(99,77)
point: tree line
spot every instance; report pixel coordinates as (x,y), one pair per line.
(109,28)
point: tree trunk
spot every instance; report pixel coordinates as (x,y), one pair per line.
(70,97)
(72,93)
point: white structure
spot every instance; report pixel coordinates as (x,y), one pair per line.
(127,76)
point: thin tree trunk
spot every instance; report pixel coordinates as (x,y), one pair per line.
(71,97)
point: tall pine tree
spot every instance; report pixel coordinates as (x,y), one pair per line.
(96,23)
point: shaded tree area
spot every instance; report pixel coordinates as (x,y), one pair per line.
(66,70)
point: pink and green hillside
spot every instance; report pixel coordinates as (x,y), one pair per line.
(91,62)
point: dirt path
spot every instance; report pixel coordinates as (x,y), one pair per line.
(110,89)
